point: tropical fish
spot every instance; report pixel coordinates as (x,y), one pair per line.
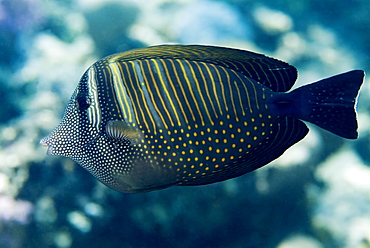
(151,118)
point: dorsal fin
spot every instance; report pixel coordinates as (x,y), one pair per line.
(275,74)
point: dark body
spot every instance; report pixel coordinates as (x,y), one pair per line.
(155,117)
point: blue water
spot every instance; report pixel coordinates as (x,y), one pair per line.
(316,195)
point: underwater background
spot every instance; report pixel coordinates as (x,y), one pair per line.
(316,195)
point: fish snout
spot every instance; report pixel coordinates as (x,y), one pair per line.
(47,142)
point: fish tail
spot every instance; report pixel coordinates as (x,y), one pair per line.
(329,103)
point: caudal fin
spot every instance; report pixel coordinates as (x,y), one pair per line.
(330,103)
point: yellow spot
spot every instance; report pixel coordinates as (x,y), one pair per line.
(217,140)
(183,152)
(228,116)
(223,131)
(239,130)
(184,144)
(260,115)
(221,123)
(240,149)
(197,142)
(187,135)
(180,138)
(168,147)
(191,151)
(269,116)
(248,133)
(232,135)
(192,166)
(253,120)
(241,140)
(207,157)
(201,132)
(231,157)
(207,168)
(195,134)
(223,159)
(214,159)
(190,142)
(249,146)
(201,151)
(225,141)
(184,166)
(177,146)
(173,139)
(174,154)
(178,169)
(210,148)
(245,123)
(196,125)
(208,130)
(169,132)
(255,128)
(175,131)
(201,164)
(196,159)
(209,138)
(216,131)
(189,174)
(263,133)
(189,159)
(255,137)
(226,150)
(197,172)
(182,130)
(218,150)
(233,145)
(216,166)
(160,130)
(189,127)
(263,124)
(203,142)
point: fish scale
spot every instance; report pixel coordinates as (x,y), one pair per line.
(151,118)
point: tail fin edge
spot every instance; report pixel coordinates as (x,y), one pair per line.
(331,103)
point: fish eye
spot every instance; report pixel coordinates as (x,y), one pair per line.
(83,102)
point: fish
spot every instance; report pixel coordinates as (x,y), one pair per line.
(186,115)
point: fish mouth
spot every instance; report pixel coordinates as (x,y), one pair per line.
(45,142)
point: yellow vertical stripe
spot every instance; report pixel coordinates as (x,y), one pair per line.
(184,73)
(200,92)
(174,90)
(164,86)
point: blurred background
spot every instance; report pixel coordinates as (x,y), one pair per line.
(316,195)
